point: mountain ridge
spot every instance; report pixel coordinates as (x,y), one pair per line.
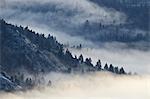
(22,50)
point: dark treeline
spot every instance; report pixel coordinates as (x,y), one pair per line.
(135,29)
(22,50)
(10,38)
(126,33)
(136,10)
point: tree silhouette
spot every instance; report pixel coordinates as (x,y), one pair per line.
(122,71)
(116,70)
(88,61)
(81,59)
(68,54)
(111,68)
(98,65)
(106,67)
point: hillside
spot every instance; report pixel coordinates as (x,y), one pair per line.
(97,21)
(22,48)
(7,85)
(24,51)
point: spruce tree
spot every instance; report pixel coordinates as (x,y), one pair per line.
(111,68)
(122,71)
(81,59)
(98,65)
(106,67)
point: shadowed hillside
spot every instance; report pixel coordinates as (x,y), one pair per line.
(24,51)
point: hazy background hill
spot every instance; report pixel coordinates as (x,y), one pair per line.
(96,21)
(115,31)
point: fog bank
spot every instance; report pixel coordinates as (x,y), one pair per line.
(132,60)
(89,86)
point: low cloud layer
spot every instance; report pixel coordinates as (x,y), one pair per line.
(53,11)
(65,16)
(89,86)
(61,18)
(132,60)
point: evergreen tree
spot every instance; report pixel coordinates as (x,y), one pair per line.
(116,70)
(80,46)
(26,28)
(29,82)
(88,61)
(68,54)
(106,67)
(98,65)
(111,68)
(49,36)
(122,71)
(81,59)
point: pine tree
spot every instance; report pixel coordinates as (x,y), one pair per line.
(26,28)
(68,54)
(88,61)
(116,70)
(98,65)
(106,67)
(122,71)
(81,59)
(49,36)
(111,68)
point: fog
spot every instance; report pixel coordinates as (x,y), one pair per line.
(88,86)
(60,18)
(72,11)
(132,60)
(118,54)
(80,86)
(63,16)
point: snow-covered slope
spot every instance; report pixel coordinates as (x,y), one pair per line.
(23,49)
(7,85)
